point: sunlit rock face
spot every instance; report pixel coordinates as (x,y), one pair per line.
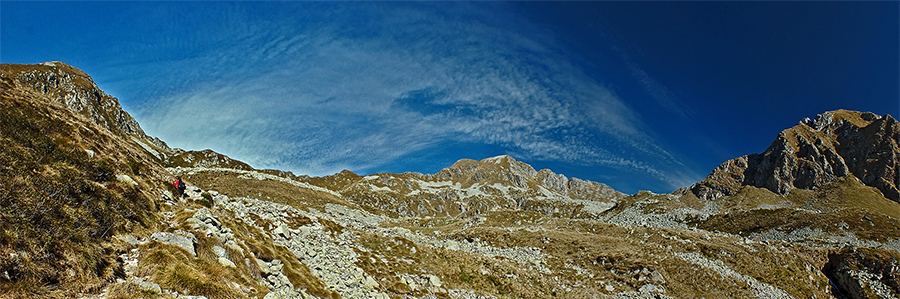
(75,89)
(814,153)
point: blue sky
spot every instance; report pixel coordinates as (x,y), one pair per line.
(637,95)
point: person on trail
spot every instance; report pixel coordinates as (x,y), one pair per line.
(179,184)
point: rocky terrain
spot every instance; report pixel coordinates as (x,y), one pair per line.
(816,152)
(88,212)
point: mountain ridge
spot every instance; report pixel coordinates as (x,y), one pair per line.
(473,186)
(75,89)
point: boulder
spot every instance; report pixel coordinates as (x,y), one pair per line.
(173,239)
(263,267)
(146,286)
(369,283)
(226,262)
(219,251)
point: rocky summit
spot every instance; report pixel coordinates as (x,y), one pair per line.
(816,152)
(89,211)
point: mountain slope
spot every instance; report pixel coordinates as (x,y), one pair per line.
(68,186)
(73,88)
(815,152)
(501,252)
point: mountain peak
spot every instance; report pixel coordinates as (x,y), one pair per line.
(831,119)
(815,152)
(498,159)
(72,87)
(59,64)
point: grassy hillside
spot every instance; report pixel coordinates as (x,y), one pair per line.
(67,187)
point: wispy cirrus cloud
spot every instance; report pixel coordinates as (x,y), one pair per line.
(660,93)
(363,87)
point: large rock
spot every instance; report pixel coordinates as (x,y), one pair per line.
(173,239)
(146,286)
(814,153)
(226,262)
(865,272)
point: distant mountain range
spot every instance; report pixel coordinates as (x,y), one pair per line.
(88,211)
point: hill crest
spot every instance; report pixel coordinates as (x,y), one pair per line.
(75,89)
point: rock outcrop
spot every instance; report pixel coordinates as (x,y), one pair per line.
(73,88)
(864,272)
(174,239)
(815,152)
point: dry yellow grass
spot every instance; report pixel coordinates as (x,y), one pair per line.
(61,199)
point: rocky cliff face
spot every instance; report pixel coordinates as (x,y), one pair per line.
(864,272)
(73,88)
(815,152)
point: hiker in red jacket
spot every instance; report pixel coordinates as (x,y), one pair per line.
(179,185)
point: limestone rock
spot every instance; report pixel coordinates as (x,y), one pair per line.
(864,272)
(173,239)
(816,152)
(281,230)
(206,216)
(263,266)
(146,286)
(126,179)
(226,262)
(369,283)
(434,280)
(219,251)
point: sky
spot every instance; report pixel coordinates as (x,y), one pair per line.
(636,95)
